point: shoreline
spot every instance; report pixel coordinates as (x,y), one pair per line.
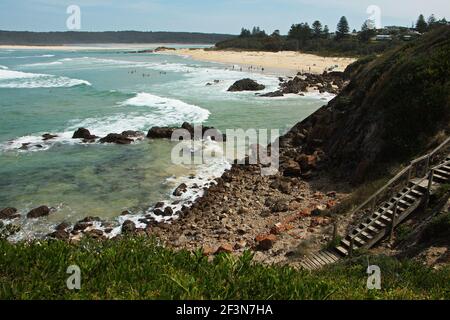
(280,62)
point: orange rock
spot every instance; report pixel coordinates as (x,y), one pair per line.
(207,251)
(225,248)
(265,242)
(331,204)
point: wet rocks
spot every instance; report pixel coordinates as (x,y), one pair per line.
(133,134)
(160,133)
(38,212)
(246,85)
(180,190)
(128,227)
(116,138)
(274,94)
(9,214)
(62,235)
(84,134)
(48,136)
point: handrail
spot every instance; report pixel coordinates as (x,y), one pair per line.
(395,204)
(409,169)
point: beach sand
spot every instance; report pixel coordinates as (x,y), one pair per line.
(289,61)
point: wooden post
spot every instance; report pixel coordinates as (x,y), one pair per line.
(427,166)
(430,185)
(393,222)
(352,243)
(373,205)
(335,231)
(409,174)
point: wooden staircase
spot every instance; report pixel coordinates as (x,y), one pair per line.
(389,207)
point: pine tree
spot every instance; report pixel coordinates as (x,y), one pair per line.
(421,24)
(317,29)
(342,28)
(367,31)
(326,32)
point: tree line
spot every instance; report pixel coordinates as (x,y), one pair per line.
(318,38)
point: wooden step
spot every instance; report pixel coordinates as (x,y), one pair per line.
(372,228)
(341,250)
(357,243)
(443,173)
(437,177)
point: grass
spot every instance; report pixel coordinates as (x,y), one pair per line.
(136,268)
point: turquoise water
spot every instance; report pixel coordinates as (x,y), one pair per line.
(110,91)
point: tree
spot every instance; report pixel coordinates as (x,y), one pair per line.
(421,24)
(342,28)
(326,32)
(245,33)
(276,33)
(367,31)
(317,29)
(432,20)
(300,32)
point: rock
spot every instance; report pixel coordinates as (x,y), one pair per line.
(38,212)
(332,194)
(265,242)
(307,162)
(62,226)
(132,134)
(25,146)
(48,136)
(81,226)
(168,211)
(160,133)
(280,206)
(274,94)
(94,234)
(182,188)
(128,227)
(208,251)
(9,214)
(225,248)
(246,85)
(83,133)
(318,210)
(159,205)
(116,138)
(60,235)
(90,219)
(125,213)
(158,212)
(292,169)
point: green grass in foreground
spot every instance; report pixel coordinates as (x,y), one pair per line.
(138,269)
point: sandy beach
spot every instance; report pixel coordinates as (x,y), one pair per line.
(288,61)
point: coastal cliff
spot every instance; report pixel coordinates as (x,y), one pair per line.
(395,107)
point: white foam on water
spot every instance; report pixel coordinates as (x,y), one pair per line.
(3,67)
(164,112)
(25,80)
(43,64)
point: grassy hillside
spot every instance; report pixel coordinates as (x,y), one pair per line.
(136,268)
(394,108)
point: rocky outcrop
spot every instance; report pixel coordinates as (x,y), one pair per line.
(331,82)
(84,134)
(9,214)
(48,136)
(206,132)
(38,212)
(128,227)
(246,85)
(116,138)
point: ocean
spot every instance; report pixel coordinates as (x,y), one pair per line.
(110,91)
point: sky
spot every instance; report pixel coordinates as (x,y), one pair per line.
(212,16)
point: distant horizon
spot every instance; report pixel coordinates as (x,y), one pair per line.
(201,16)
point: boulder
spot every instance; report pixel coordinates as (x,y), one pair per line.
(265,242)
(84,134)
(38,212)
(160,133)
(168,211)
(116,138)
(274,94)
(60,235)
(292,169)
(225,248)
(48,136)
(132,134)
(128,227)
(246,85)
(9,214)
(182,188)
